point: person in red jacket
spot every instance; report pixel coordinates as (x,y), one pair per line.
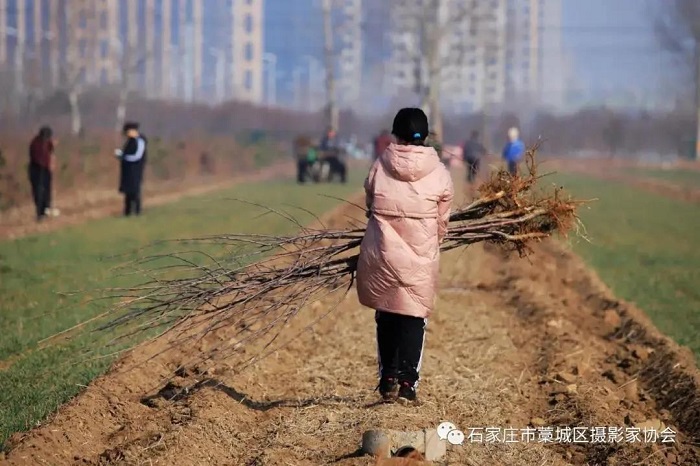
(381,143)
(41,165)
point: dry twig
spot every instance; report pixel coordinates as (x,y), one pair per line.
(275,277)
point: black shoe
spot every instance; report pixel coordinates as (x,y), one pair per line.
(388,388)
(407,391)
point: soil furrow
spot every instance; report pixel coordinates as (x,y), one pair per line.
(513,344)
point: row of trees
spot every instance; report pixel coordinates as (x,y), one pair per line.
(678,29)
(430,25)
(82,40)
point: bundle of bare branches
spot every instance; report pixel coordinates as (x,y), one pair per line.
(266,283)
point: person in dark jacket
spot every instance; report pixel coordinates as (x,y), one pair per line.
(473,152)
(41,164)
(331,153)
(329,141)
(133,160)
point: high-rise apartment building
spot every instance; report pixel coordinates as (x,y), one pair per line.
(474,63)
(294,36)
(552,61)
(492,52)
(471,54)
(349,43)
(294,39)
(29,40)
(167,48)
(93,27)
(522,49)
(535,58)
(246,66)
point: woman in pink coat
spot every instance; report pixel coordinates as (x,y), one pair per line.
(409,196)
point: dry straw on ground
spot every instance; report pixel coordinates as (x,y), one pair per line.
(270,279)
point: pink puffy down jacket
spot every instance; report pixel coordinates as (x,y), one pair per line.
(409,194)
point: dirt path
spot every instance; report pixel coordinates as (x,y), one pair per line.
(81,207)
(511,344)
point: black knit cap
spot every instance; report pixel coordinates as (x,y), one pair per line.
(129,125)
(45,132)
(411,125)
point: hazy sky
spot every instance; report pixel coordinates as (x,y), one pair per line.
(613,46)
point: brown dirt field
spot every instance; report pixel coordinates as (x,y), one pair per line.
(513,342)
(78,208)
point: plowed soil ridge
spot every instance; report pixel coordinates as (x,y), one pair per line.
(513,343)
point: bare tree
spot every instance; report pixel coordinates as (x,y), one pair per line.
(81,44)
(678,29)
(439,33)
(130,57)
(332,112)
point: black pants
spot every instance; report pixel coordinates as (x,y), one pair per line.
(400,341)
(472,169)
(132,203)
(40,179)
(302,168)
(513,167)
(337,168)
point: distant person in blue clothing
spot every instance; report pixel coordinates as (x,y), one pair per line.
(513,151)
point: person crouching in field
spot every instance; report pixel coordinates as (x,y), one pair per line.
(302,146)
(41,167)
(409,195)
(133,161)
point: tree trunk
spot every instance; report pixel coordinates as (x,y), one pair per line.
(76,121)
(697,101)
(434,110)
(332,113)
(434,81)
(121,109)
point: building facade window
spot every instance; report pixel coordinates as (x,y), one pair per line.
(248,23)
(248,80)
(103,20)
(104,48)
(249,51)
